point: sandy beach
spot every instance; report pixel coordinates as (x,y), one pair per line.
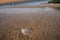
(45,22)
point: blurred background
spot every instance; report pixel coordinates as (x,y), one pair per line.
(4,1)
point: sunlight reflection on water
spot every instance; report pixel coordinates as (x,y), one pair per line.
(26,10)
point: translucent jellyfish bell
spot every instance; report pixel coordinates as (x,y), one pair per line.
(26,31)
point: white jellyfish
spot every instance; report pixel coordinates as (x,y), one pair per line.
(26,31)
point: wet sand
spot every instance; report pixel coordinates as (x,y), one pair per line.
(45,23)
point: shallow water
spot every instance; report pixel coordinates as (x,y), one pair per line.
(26,10)
(44,21)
